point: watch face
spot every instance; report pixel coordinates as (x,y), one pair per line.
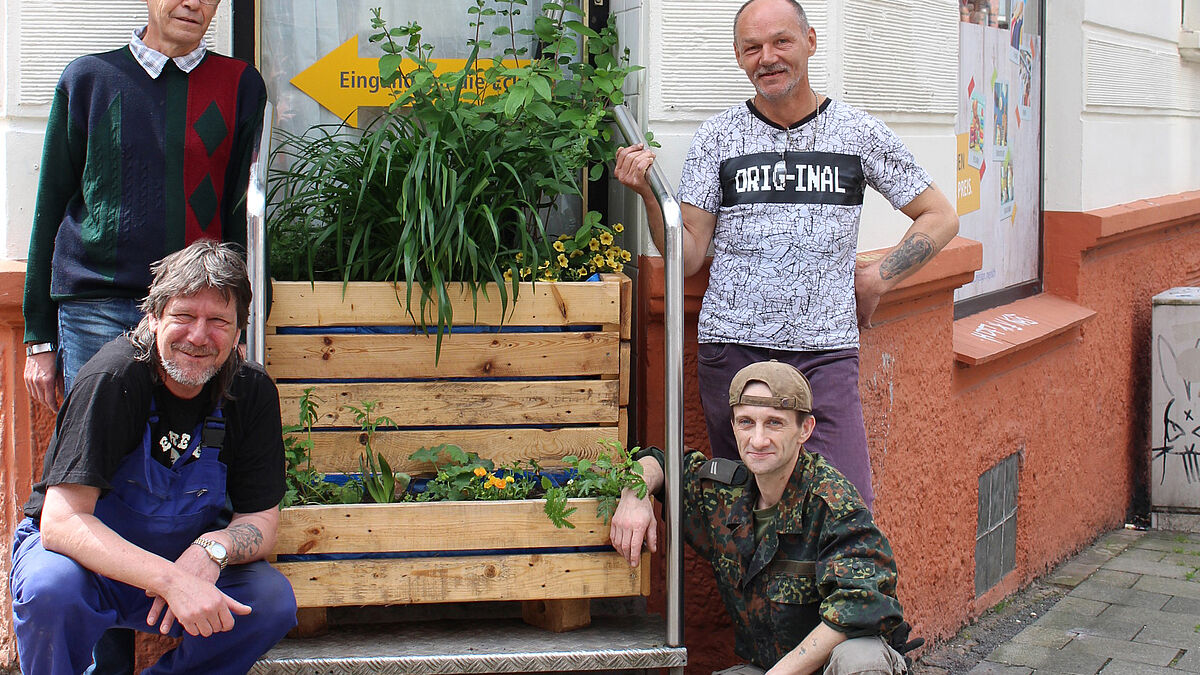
(218,550)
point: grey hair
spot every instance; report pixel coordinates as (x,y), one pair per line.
(795,5)
(205,264)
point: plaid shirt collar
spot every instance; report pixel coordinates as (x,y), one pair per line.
(153,61)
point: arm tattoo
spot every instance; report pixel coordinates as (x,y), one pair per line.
(912,252)
(247,539)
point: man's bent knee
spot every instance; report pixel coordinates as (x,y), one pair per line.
(865,655)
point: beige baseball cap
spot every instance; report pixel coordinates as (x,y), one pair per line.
(789,388)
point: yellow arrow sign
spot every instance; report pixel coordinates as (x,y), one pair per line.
(341,81)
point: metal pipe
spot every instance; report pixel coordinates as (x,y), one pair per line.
(256,241)
(673,372)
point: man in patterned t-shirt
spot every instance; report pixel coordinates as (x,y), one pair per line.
(776,186)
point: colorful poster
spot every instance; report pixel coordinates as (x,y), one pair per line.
(967,183)
(1025,74)
(978,124)
(999,119)
(1007,187)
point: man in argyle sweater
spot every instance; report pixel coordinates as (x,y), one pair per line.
(147,149)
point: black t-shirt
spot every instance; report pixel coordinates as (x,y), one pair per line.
(105,416)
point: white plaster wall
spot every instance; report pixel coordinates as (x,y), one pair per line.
(896,59)
(37,39)
(1122,108)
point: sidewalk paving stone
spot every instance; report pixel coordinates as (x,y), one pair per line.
(989,668)
(1147,554)
(1183,606)
(1116,578)
(1045,636)
(1189,663)
(1083,624)
(1116,595)
(1122,667)
(1189,561)
(1081,606)
(1065,660)
(1139,652)
(1179,635)
(1150,617)
(1179,587)
(1123,563)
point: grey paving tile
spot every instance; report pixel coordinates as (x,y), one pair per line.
(1150,617)
(1122,667)
(1031,656)
(1188,560)
(1179,635)
(1190,662)
(1080,606)
(1183,606)
(1071,574)
(1044,636)
(1117,628)
(1169,545)
(1139,652)
(1146,554)
(1116,578)
(1116,595)
(989,668)
(1071,659)
(1124,563)
(1179,587)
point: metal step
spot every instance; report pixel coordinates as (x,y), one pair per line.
(477,646)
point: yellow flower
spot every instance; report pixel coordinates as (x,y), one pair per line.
(510,480)
(618,267)
(618,228)
(544,265)
(564,237)
(626,256)
(508,275)
(597,260)
(562,260)
(520,256)
(480,471)
(576,253)
(594,244)
(606,238)
(525,272)
(558,246)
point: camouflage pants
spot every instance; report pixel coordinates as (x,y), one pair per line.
(860,655)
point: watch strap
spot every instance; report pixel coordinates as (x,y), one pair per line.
(39,348)
(206,544)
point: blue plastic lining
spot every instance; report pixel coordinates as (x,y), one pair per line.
(317,557)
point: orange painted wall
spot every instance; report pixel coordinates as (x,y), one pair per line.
(1075,408)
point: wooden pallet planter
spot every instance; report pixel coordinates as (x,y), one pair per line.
(534,391)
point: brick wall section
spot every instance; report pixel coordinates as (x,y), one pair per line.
(1075,408)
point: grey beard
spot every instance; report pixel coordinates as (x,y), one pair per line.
(179,375)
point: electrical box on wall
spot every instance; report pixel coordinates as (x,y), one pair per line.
(1175,406)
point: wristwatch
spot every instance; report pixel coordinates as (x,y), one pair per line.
(214,549)
(39,348)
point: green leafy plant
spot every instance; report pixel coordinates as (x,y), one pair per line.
(452,185)
(380,482)
(304,485)
(604,479)
(454,468)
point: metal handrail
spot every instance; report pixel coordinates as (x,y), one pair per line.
(256,240)
(673,371)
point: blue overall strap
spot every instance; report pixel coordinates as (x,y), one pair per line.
(213,434)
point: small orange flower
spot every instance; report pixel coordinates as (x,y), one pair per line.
(480,471)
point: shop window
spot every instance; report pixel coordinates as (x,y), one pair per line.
(996,534)
(998,187)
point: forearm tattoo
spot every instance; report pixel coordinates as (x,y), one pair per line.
(912,252)
(247,539)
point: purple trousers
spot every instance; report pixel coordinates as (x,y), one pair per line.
(839,436)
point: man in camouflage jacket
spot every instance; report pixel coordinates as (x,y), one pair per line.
(808,579)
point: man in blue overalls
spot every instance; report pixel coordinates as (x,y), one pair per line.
(162,425)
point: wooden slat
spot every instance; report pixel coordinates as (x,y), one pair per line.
(626,355)
(557,616)
(299,303)
(461,403)
(462,579)
(434,526)
(463,355)
(1003,330)
(338,451)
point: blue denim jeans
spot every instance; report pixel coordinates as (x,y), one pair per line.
(84,326)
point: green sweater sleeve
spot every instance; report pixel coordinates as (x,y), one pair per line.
(58,183)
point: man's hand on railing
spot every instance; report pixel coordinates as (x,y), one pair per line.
(632,524)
